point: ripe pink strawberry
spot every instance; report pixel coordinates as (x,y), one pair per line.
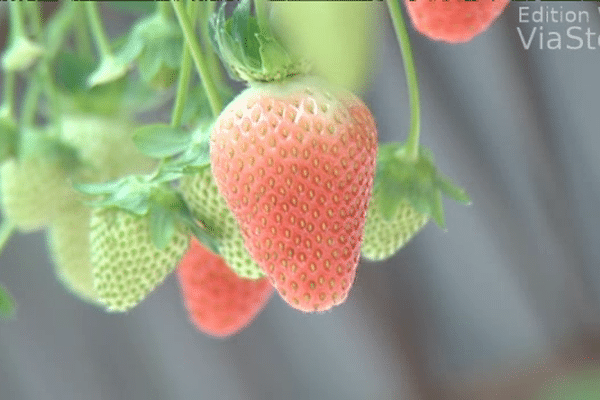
(219,302)
(295,162)
(453,21)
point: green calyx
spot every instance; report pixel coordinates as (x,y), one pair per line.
(152,196)
(399,178)
(250,53)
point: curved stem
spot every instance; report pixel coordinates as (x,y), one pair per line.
(412,143)
(82,38)
(185,72)
(30,103)
(7,228)
(50,91)
(17,26)
(212,93)
(206,11)
(98,29)
(35,17)
(8,95)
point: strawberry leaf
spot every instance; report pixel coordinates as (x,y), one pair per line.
(161,140)
(7,304)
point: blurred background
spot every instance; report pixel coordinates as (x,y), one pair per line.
(503,305)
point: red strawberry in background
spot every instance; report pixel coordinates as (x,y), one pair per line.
(295,162)
(453,21)
(219,303)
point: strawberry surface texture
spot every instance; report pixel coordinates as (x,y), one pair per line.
(295,162)
(219,303)
(453,21)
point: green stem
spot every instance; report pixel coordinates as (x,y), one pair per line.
(190,36)
(185,73)
(8,95)
(35,17)
(82,37)
(205,12)
(51,93)
(262,16)
(7,228)
(98,29)
(412,143)
(17,26)
(30,103)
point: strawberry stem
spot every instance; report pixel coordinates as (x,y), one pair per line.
(184,76)
(412,142)
(7,228)
(82,37)
(8,95)
(98,30)
(30,102)
(212,58)
(17,26)
(201,65)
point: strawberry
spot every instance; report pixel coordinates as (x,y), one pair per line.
(219,302)
(295,162)
(105,145)
(35,185)
(383,237)
(126,265)
(69,245)
(202,196)
(453,21)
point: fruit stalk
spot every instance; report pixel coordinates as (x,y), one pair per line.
(184,77)
(16,21)
(190,37)
(98,30)
(8,95)
(412,143)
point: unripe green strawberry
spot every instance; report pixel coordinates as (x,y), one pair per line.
(202,196)
(126,265)
(69,245)
(105,145)
(219,302)
(33,191)
(383,237)
(295,162)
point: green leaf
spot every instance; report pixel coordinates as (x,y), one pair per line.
(162,226)
(206,239)
(7,303)
(161,140)
(456,193)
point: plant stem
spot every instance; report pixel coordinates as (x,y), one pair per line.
(262,16)
(98,29)
(412,142)
(184,77)
(30,103)
(17,27)
(35,17)
(8,95)
(7,228)
(50,91)
(190,36)
(206,11)
(82,37)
